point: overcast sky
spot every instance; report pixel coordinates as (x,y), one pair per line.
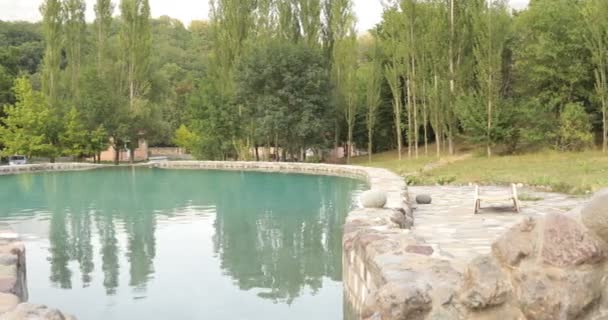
(368,11)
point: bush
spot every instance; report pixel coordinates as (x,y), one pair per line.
(574,128)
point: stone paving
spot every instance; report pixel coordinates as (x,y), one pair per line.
(450,227)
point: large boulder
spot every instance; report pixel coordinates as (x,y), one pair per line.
(373,199)
(517,243)
(550,293)
(566,243)
(485,285)
(404,300)
(28,311)
(594,215)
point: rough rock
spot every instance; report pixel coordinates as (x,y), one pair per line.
(423,199)
(373,199)
(517,243)
(594,215)
(419,249)
(8,301)
(28,311)
(547,294)
(566,243)
(485,284)
(406,300)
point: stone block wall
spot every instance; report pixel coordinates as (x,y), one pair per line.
(46,167)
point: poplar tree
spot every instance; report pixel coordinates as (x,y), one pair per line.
(136,41)
(309,12)
(491,30)
(371,76)
(393,49)
(52,24)
(344,64)
(103,23)
(595,13)
(75,25)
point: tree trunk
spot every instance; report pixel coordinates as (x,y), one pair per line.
(452,80)
(116,154)
(409,118)
(397,112)
(257,153)
(369,144)
(131,155)
(605,126)
(425,120)
(350,142)
(438,124)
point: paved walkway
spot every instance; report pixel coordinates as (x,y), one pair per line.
(451,228)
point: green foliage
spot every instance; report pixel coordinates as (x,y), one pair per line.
(30,125)
(285,91)
(184,138)
(52,22)
(552,63)
(213,122)
(574,128)
(73,139)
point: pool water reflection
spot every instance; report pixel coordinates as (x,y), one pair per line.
(169,244)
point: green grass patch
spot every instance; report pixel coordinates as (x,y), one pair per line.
(566,172)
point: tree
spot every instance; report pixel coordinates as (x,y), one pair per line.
(552,62)
(595,13)
(371,76)
(52,22)
(345,79)
(73,12)
(136,38)
(284,88)
(574,128)
(103,23)
(73,139)
(29,125)
(392,70)
(490,28)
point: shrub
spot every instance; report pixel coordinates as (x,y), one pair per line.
(574,128)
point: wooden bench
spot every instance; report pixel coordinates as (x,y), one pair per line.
(497,196)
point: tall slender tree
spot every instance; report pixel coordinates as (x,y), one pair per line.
(136,41)
(52,22)
(596,19)
(490,28)
(75,26)
(103,23)
(309,12)
(371,76)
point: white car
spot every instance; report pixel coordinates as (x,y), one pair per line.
(17,160)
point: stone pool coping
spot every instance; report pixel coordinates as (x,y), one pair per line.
(48,167)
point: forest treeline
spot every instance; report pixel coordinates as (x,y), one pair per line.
(295,77)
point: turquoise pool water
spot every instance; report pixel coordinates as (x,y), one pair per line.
(170,244)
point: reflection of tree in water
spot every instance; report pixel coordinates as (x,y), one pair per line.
(281,235)
(71,223)
(141,249)
(109,251)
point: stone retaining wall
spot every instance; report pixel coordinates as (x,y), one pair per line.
(45,167)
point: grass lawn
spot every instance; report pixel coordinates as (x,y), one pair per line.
(390,160)
(575,173)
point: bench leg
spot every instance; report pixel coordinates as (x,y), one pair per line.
(477,205)
(516,205)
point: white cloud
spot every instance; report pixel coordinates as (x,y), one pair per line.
(369,12)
